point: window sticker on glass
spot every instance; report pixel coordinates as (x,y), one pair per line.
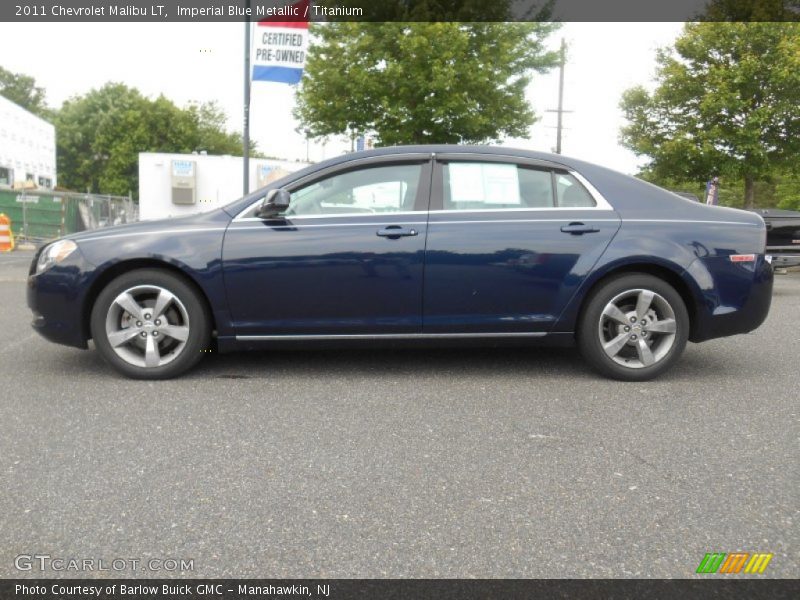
(484,182)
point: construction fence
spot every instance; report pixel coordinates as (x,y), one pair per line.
(38,216)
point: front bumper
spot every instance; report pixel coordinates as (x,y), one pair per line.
(56,298)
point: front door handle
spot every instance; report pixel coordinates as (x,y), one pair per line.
(394,232)
(579,229)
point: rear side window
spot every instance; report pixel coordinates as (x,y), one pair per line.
(498,186)
(571,194)
(495,186)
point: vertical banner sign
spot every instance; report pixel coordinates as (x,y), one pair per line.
(280,43)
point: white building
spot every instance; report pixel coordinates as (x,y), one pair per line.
(27,149)
(172,185)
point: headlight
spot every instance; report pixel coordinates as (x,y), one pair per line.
(54,254)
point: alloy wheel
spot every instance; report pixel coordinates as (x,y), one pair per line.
(637,328)
(147,326)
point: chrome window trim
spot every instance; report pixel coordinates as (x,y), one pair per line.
(564,220)
(431,223)
(423,223)
(343,215)
(432,212)
(293,226)
(602,203)
(689,221)
(507,210)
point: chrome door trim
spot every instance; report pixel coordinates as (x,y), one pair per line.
(389,336)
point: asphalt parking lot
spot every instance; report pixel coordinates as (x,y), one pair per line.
(401,463)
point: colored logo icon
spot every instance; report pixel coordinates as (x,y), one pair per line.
(734,562)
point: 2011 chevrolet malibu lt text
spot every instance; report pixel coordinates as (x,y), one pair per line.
(415,243)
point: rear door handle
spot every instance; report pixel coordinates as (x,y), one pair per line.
(579,229)
(394,232)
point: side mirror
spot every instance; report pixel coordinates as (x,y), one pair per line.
(275,202)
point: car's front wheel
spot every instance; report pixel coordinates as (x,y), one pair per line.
(150,324)
(634,327)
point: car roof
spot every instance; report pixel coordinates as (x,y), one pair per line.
(449,149)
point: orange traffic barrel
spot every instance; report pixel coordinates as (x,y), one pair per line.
(6,237)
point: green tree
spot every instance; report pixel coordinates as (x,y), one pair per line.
(750,10)
(101,134)
(787,191)
(422,82)
(727,100)
(22,90)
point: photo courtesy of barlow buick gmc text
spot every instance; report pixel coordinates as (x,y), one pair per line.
(399,299)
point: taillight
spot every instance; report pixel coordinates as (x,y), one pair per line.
(738,258)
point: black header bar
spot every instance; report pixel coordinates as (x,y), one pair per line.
(394,589)
(397,10)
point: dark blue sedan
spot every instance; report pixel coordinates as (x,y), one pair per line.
(424,243)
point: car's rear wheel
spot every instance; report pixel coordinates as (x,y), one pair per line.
(633,327)
(150,324)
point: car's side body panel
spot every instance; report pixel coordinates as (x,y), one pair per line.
(470,273)
(191,245)
(507,271)
(718,286)
(325,275)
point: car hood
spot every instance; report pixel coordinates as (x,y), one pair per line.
(173,225)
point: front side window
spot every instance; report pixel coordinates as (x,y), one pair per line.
(373,190)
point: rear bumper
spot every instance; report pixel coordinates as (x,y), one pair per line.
(738,299)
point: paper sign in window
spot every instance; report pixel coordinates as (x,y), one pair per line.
(484,183)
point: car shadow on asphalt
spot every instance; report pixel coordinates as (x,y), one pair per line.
(422,362)
(300,362)
(488,363)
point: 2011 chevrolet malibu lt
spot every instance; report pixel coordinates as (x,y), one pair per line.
(415,243)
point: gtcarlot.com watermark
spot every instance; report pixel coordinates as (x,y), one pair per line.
(46,562)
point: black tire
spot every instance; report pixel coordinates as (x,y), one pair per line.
(187,311)
(630,362)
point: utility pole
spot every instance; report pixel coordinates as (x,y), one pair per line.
(560,109)
(246,127)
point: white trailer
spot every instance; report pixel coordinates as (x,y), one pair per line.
(173,185)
